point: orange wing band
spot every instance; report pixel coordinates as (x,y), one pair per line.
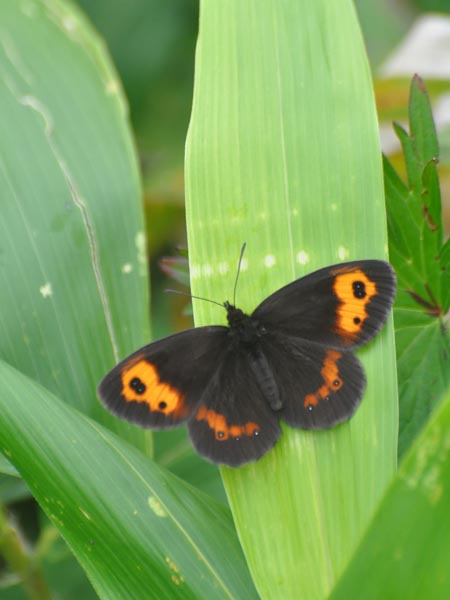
(141,383)
(332,381)
(222,430)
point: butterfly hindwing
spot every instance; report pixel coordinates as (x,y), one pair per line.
(160,385)
(233,424)
(341,306)
(319,386)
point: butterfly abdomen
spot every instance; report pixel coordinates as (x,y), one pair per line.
(265,379)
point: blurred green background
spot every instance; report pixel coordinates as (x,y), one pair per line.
(153,47)
(152,44)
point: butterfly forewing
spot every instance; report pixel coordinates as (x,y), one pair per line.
(160,385)
(341,306)
(234,424)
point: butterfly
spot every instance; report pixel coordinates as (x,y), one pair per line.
(291,359)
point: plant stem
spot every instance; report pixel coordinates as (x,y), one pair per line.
(20,561)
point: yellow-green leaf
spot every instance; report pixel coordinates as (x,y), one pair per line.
(283,154)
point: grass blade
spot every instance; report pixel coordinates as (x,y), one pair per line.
(68,181)
(137,530)
(283,153)
(405,552)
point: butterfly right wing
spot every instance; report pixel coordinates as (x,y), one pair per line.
(160,385)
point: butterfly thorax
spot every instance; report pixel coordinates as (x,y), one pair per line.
(243,328)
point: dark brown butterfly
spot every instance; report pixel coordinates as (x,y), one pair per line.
(291,359)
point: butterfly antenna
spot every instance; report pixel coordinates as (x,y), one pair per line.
(238,271)
(191,296)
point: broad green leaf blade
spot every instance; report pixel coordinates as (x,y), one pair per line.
(283,154)
(405,552)
(73,280)
(137,530)
(423,270)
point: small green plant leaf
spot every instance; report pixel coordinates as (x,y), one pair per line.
(422,264)
(405,551)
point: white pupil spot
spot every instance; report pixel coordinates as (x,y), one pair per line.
(302,257)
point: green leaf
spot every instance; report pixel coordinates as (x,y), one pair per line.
(134,527)
(421,123)
(405,552)
(423,270)
(73,278)
(283,153)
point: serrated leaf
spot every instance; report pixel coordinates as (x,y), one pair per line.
(137,530)
(421,123)
(423,271)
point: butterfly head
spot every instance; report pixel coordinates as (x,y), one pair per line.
(235,316)
(242,327)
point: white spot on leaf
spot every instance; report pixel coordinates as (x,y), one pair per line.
(141,246)
(46,290)
(343,252)
(127,268)
(302,257)
(269,260)
(194,271)
(223,268)
(157,507)
(244,264)
(69,24)
(207,270)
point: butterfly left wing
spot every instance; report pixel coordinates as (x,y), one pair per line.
(342,306)
(159,386)
(233,424)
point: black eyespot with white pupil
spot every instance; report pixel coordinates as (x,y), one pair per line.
(359,289)
(137,385)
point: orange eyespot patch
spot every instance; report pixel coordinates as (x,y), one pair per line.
(354,291)
(332,381)
(141,383)
(222,430)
